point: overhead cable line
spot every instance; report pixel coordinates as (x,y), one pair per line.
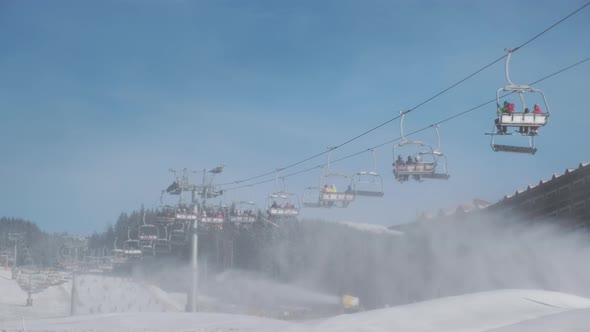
(413,108)
(452,117)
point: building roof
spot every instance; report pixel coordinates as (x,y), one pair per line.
(582,165)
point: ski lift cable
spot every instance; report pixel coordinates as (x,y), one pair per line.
(418,105)
(552,26)
(454,116)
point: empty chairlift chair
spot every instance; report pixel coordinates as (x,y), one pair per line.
(177,235)
(162,244)
(132,248)
(147,235)
(368,183)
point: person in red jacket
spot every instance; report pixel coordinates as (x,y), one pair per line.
(510,108)
(536,110)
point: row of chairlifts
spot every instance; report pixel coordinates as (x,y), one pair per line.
(329,192)
(241,211)
(424,161)
(161,238)
(524,121)
(155,239)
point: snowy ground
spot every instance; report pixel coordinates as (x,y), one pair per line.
(129,306)
(95,294)
(371,228)
(202,322)
(484,311)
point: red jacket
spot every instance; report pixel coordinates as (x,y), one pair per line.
(537,110)
(510,108)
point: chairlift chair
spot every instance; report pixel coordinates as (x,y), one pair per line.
(165,214)
(281,205)
(147,233)
(278,205)
(243,212)
(311,197)
(328,193)
(337,198)
(186,214)
(161,245)
(132,249)
(117,256)
(212,219)
(526,122)
(177,235)
(368,183)
(418,169)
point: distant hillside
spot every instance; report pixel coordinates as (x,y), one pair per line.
(36,246)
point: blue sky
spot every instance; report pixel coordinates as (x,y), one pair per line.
(98,99)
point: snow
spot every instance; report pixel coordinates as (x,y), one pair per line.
(249,289)
(571,321)
(471,312)
(148,308)
(371,228)
(201,322)
(102,294)
(50,302)
(96,294)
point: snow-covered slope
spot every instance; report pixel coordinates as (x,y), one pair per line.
(95,294)
(51,302)
(472,312)
(498,311)
(169,322)
(570,321)
(101,294)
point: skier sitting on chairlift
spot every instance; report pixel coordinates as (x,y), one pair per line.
(400,160)
(536,110)
(506,108)
(349,189)
(499,112)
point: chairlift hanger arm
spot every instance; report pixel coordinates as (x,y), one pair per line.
(436,150)
(374,160)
